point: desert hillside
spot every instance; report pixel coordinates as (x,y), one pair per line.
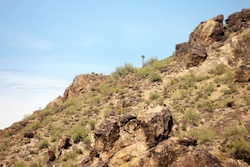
(189,109)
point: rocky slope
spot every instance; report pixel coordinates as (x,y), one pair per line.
(190,109)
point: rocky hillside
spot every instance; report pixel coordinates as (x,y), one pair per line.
(190,109)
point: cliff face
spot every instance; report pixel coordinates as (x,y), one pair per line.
(191,109)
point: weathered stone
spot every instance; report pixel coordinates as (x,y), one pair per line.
(197,55)
(28,134)
(64,142)
(187,141)
(118,137)
(181,50)
(51,155)
(242,74)
(83,84)
(194,52)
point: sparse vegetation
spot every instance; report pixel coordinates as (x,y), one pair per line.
(241,149)
(192,116)
(235,129)
(44,143)
(203,135)
(123,70)
(155,77)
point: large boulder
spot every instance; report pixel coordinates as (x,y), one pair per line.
(83,84)
(238,20)
(194,52)
(142,141)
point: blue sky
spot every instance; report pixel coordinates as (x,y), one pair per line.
(45,44)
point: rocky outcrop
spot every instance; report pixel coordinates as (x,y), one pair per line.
(82,84)
(193,52)
(233,38)
(238,20)
(143,140)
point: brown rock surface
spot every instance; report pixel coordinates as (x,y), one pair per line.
(143,141)
(82,84)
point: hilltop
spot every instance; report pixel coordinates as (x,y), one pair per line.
(190,109)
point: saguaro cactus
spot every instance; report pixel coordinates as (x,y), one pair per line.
(143,57)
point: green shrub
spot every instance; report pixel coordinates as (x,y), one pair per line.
(203,135)
(44,143)
(231,89)
(233,130)
(78,133)
(219,69)
(92,124)
(36,164)
(72,154)
(3,145)
(179,94)
(241,149)
(187,81)
(143,72)
(247,100)
(151,61)
(19,164)
(208,89)
(154,96)
(192,116)
(123,70)
(155,77)
(206,105)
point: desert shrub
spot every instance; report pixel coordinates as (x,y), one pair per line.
(231,89)
(154,96)
(72,154)
(179,94)
(78,133)
(123,70)
(170,59)
(203,135)
(192,116)
(247,100)
(92,124)
(233,130)
(36,164)
(151,61)
(206,105)
(44,143)
(143,72)
(219,69)
(208,88)
(155,77)
(46,112)
(187,81)
(19,164)
(241,149)
(3,145)
(201,77)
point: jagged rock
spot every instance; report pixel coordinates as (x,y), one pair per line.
(117,138)
(181,51)
(65,142)
(170,153)
(242,74)
(29,134)
(82,84)
(51,156)
(238,20)
(187,141)
(194,52)
(197,55)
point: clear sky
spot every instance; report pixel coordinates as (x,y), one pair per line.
(44,44)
